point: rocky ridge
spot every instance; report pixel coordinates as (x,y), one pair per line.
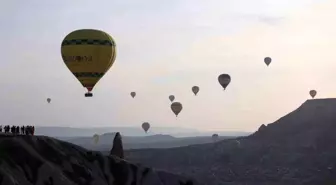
(40,160)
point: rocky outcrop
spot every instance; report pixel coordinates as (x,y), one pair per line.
(306,126)
(117,148)
(39,160)
(297,149)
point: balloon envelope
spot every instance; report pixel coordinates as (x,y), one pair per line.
(215,137)
(195,89)
(145,126)
(224,80)
(95,138)
(238,143)
(267,60)
(171,98)
(88,54)
(176,107)
(312,93)
(133,94)
(48,100)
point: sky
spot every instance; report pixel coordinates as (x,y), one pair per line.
(164,48)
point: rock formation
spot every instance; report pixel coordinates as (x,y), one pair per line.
(117,148)
(39,160)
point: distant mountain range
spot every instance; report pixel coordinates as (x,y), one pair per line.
(69,132)
(137,142)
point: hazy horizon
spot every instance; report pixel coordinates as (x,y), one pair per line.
(165,48)
(75,132)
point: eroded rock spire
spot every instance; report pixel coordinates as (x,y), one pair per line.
(117,148)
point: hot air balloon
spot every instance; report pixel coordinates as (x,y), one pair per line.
(88,54)
(214,137)
(237,143)
(224,80)
(145,126)
(133,94)
(312,93)
(171,98)
(195,89)
(95,138)
(267,60)
(176,107)
(48,100)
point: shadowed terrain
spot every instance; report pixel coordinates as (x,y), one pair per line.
(299,148)
(39,160)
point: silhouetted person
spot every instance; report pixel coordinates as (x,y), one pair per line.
(13,129)
(17,130)
(33,130)
(117,149)
(0,128)
(6,129)
(23,130)
(27,130)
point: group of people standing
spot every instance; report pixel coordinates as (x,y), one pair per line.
(16,130)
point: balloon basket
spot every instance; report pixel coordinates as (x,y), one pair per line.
(88,94)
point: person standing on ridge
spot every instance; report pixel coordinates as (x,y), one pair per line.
(22,129)
(17,130)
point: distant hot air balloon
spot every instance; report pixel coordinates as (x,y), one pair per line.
(237,143)
(88,54)
(48,100)
(145,126)
(267,60)
(176,107)
(195,89)
(214,137)
(133,94)
(312,93)
(95,138)
(224,80)
(171,98)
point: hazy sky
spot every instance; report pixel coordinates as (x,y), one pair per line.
(163,48)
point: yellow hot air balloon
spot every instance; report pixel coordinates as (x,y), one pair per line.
(88,54)
(176,107)
(171,98)
(145,126)
(312,93)
(195,89)
(133,94)
(95,138)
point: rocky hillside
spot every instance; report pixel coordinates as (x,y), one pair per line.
(299,148)
(313,124)
(30,160)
